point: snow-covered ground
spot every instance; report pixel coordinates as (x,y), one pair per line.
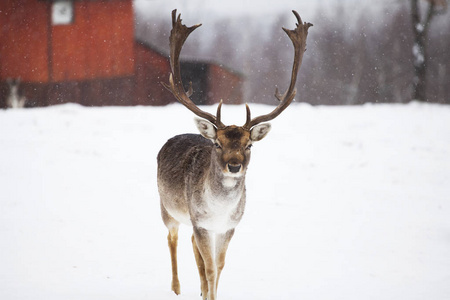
(343,203)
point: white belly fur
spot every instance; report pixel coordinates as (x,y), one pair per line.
(180,217)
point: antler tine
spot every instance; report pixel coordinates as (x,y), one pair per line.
(298,37)
(178,36)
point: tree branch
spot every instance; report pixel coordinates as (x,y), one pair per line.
(430,14)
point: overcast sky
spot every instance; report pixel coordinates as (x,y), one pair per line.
(241,8)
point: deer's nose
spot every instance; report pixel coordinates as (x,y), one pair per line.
(234,168)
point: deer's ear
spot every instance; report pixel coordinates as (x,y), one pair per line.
(258,132)
(206,128)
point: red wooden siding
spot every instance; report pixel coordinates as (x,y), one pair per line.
(152,67)
(99,44)
(23,40)
(224,84)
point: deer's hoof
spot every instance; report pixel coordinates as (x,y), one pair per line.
(176,287)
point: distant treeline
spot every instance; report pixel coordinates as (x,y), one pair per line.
(349,59)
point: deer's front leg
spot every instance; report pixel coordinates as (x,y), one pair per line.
(222,242)
(201,269)
(205,244)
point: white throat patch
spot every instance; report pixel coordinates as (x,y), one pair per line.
(229,181)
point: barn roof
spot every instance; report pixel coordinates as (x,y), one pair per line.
(189,60)
(152,47)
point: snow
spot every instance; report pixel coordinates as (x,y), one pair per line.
(343,203)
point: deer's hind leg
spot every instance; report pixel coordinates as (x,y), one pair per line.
(173,243)
(172,239)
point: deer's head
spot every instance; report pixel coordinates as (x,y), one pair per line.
(232,143)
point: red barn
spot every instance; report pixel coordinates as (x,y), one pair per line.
(224,84)
(153,67)
(210,82)
(77,51)
(85,52)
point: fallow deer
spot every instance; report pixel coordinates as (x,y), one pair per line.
(201,178)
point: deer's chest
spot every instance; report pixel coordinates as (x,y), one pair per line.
(219,212)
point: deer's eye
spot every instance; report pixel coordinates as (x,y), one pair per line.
(249,147)
(217,146)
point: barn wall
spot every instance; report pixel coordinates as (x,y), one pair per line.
(94,92)
(223,84)
(23,40)
(99,44)
(151,68)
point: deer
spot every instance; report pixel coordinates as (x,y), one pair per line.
(14,100)
(201,177)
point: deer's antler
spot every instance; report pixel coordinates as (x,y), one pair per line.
(298,38)
(178,36)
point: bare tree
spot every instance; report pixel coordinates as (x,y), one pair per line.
(420,27)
